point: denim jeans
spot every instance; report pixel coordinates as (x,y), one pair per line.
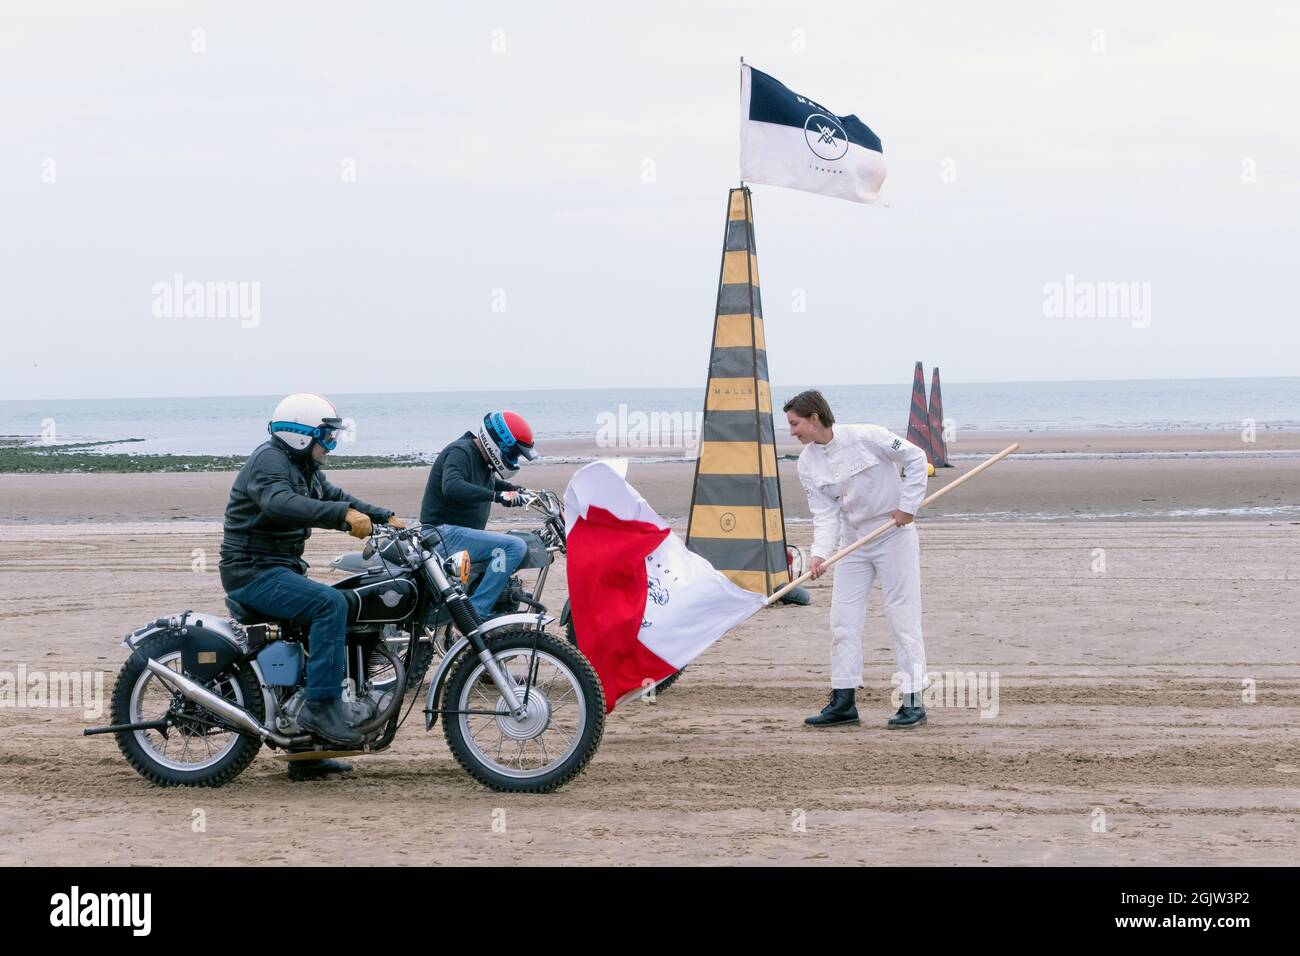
(285,594)
(500,554)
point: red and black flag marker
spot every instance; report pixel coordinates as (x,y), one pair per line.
(918,421)
(938,447)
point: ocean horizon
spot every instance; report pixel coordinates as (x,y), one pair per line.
(420,423)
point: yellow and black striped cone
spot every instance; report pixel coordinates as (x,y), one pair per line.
(736,520)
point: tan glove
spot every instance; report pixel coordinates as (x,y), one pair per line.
(396,522)
(359,525)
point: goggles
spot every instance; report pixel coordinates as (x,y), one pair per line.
(324,433)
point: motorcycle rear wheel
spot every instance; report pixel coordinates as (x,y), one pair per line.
(191,752)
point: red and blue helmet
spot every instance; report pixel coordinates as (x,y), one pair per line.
(506,438)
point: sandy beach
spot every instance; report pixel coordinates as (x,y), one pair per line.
(1146,711)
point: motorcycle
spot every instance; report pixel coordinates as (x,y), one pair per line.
(200,694)
(543,545)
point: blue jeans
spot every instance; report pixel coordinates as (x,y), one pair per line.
(285,594)
(501,554)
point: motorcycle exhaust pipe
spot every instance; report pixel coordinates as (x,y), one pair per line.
(223,708)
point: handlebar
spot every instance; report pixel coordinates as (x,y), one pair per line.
(386,532)
(544,501)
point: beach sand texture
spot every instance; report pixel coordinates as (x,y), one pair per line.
(1162,692)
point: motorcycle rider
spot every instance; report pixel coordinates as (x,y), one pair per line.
(466,478)
(278,497)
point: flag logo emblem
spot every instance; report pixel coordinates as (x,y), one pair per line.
(825,136)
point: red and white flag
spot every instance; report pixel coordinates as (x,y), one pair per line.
(643,606)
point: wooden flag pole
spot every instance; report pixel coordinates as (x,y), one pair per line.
(848,549)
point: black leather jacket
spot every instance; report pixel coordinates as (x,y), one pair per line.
(277,498)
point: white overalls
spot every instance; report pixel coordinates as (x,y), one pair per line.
(854,486)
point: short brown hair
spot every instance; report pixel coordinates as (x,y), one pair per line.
(810,403)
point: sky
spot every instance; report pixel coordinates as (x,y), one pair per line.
(524,195)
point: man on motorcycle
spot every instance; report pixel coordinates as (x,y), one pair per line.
(278,497)
(466,478)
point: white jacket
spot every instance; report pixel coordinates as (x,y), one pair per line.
(853,482)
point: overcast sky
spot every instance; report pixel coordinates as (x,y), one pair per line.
(539,192)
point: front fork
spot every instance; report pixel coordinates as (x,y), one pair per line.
(468,622)
(500,678)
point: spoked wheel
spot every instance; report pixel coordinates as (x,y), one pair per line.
(560,730)
(193,751)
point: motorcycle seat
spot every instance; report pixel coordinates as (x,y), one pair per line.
(246,615)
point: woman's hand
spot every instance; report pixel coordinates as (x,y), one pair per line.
(902,517)
(817,568)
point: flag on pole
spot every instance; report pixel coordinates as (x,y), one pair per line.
(643,606)
(789,140)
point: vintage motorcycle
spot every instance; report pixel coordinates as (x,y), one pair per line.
(434,636)
(200,694)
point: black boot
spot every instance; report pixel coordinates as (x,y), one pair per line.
(911,714)
(329,719)
(316,769)
(839,709)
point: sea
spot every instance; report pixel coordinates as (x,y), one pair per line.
(420,423)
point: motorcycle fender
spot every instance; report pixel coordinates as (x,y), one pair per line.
(269,702)
(434,700)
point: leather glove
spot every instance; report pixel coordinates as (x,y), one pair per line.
(359,525)
(511,499)
(396,522)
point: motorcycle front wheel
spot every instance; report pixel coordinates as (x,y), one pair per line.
(560,730)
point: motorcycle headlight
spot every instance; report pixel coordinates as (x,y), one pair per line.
(458,565)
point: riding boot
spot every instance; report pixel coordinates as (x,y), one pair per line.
(911,714)
(840,709)
(329,719)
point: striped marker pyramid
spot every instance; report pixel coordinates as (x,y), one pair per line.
(938,446)
(918,417)
(736,520)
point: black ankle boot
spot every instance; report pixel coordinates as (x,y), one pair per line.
(839,709)
(911,714)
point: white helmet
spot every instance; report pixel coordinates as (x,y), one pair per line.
(303,418)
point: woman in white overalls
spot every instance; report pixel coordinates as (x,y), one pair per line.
(851,476)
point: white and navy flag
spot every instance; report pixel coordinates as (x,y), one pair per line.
(789,140)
